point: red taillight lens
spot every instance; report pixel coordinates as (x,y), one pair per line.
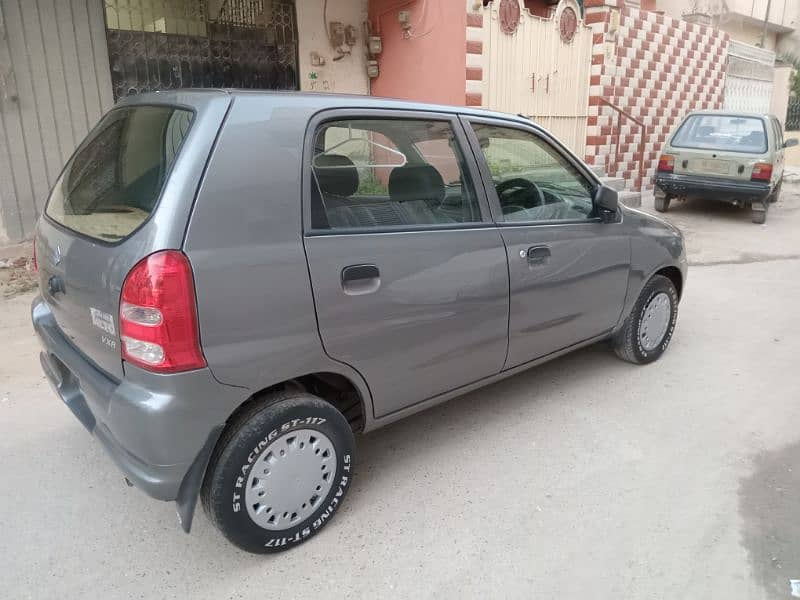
(666,164)
(158,317)
(35,263)
(761,172)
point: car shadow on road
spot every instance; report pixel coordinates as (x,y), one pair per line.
(709,209)
(423,437)
(768,505)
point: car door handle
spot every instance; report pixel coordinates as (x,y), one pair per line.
(360,279)
(538,255)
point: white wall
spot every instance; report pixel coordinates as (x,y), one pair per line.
(742,19)
(347,75)
(55,84)
(780,92)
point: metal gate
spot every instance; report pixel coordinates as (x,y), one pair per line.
(748,78)
(793,114)
(539,67)
(168,44)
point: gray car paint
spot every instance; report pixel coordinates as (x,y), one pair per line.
(244,235)
(93,272)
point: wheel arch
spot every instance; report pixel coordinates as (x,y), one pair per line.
(338,390)
(673,274)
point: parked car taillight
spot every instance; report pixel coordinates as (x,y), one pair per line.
(158,317)
(666,164)
(761,172)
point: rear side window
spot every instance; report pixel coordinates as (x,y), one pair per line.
(729,133)
(390,173)
(111,185)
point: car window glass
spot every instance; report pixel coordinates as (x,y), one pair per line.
(390,173)
(732,133)
(534,182)
(111,185)
(778,133)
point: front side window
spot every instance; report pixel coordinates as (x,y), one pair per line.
(534,182)
(111,185)
(727,133)
(389,173)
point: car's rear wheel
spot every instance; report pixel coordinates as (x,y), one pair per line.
(776,193)
(758,213)
(648,329)
(279,472)
(662,203)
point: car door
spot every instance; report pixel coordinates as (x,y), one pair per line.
(779,149)
(408,271)
(568,268)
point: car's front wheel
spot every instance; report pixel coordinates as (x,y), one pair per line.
(662,203)
(647,331)
(280,470)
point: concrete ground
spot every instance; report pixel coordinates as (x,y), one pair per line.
(584,478)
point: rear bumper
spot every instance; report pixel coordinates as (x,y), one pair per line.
(713,188)
(155,427)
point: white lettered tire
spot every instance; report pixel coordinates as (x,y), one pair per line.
(279,472)
(647,331)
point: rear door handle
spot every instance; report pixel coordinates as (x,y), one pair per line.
(538,255)
(360,279)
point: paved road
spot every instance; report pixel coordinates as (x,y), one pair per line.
(584,478)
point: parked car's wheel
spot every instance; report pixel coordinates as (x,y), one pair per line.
(648,329)
(662,203)
(280,470)
(776,193)
(758,213)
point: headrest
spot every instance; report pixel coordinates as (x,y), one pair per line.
(416,182)
(336,174)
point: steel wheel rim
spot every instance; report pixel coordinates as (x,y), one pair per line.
(290,478)
(655,321)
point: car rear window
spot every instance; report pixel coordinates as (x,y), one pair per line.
(112,184)
(728,133)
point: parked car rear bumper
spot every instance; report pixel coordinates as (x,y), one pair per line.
(154,426)
(713,188)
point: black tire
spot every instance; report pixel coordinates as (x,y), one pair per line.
(776,193)
(662,203)
(245,440)
(759,215)
(627,342)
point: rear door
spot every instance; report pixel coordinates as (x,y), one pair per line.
(779,150)
(409,274)
(101,217)
(568,269)
(726,146)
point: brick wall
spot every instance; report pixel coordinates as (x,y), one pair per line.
(657,69)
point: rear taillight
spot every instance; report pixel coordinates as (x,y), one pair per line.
(158,317)
(35,263)
(666,164)
(761,172)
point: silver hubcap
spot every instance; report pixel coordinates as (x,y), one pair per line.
(290,478)
(655,321)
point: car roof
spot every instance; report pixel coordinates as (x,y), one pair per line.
(732,113)
(324,100)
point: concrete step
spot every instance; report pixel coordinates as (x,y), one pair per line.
(598,170)
(617,183)
(632,199)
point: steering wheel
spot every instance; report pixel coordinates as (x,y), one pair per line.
(519,194)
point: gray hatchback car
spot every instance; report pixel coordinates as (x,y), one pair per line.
(234,283)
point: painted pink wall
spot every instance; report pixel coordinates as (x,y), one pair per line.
(431,65)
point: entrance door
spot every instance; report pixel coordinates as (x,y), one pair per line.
(568,269)
(409,274)
(169,44)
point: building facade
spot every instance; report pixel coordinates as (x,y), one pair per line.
(608,77)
